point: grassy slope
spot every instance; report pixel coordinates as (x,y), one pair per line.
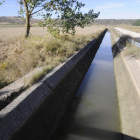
(19,56)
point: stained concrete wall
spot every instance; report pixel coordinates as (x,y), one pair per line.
(126,73)
(37,112)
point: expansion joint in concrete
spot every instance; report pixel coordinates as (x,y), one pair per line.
(53,91)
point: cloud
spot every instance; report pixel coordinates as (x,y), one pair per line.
(110,5)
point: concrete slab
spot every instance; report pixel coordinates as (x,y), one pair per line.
(17,111)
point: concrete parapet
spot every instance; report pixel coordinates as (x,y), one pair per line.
(37,112)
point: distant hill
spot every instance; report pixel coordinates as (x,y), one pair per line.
(18,20)
(113,21)
(136,23)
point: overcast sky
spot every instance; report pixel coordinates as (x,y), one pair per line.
(117,9)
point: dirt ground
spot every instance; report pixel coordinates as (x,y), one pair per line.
(40,31)
(130,28)
(127,32)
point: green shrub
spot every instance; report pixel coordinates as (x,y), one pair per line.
(136,23)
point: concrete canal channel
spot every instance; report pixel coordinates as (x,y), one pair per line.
(94,114)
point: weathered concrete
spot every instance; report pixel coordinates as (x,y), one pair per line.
(133,65)
(129,101)
(37,112)
(10,92)
(127,77)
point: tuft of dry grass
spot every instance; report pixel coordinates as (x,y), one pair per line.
(37,76)
(133,50)
(19,56)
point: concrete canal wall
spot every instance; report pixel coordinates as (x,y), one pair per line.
(37,112)
(126,73)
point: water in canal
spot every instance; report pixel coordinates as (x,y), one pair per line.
(94,114)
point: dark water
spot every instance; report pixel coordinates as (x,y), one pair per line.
(94,114)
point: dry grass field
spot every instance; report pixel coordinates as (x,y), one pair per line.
(10,31)
(19,56)
(4,23)
(130,28)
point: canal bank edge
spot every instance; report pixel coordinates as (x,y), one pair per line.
(37,112)
(128,98)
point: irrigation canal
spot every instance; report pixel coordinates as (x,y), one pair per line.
(94,114)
